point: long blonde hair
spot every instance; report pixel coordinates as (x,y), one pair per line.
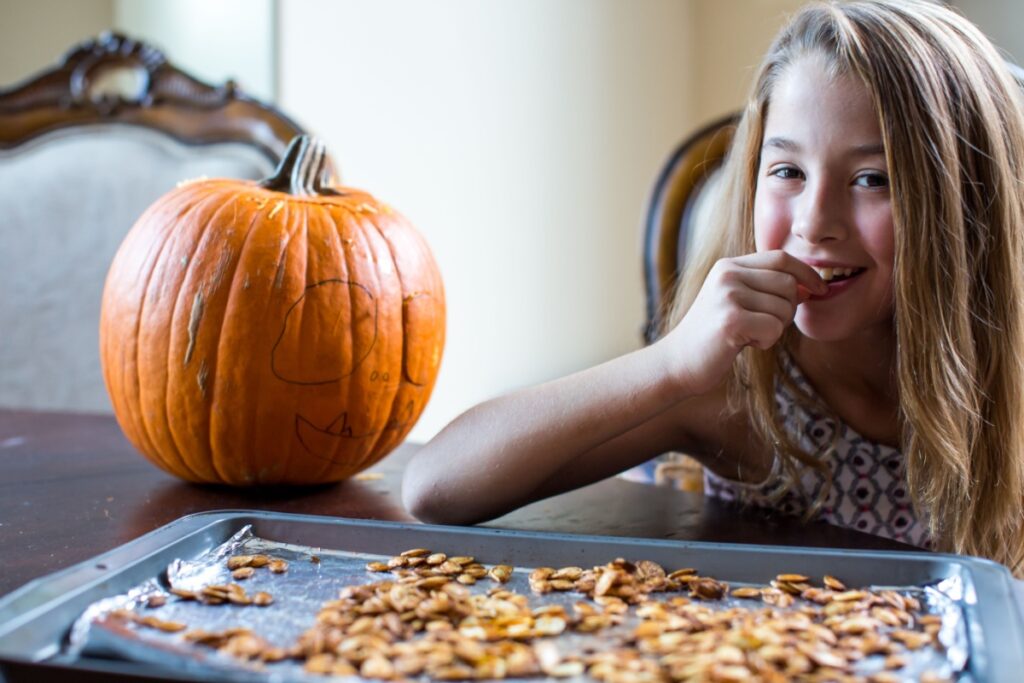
(952,121)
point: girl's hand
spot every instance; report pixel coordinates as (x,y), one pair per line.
(745,301)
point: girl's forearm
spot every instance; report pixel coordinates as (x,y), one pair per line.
(496,456)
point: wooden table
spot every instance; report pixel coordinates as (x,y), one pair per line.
(71,487)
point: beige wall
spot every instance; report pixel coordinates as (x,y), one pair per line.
(521,137)
(732,35)
(731,38)
(35,33)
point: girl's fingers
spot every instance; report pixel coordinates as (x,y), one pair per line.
(773,282)
(780,261)
(781,308)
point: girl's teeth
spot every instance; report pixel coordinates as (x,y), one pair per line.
(828,274)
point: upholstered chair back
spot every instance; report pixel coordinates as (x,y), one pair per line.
(85,148)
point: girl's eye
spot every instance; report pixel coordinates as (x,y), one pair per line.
(787,173)
(872,180)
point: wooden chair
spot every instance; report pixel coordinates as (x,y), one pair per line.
(671,225)
(673,212)
(85,147)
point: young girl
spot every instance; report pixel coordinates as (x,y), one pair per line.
(850,344)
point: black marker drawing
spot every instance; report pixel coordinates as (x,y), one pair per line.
(321,442)
(317,295)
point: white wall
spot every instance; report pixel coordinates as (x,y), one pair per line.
(521,137)
(731,39)
(213,40)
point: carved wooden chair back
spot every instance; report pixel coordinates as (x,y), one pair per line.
(674,209)
(85,147)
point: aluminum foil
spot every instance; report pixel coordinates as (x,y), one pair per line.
(316,575)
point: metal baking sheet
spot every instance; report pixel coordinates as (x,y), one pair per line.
(35,620)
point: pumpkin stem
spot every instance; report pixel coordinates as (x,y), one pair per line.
(301,171)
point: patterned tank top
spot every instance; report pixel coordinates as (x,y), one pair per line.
(869,491)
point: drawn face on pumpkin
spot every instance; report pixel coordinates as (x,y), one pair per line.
(349,312)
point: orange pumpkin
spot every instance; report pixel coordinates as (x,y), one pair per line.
(274,332)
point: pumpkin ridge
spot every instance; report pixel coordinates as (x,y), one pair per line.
(176,441)
(290,458)
(240,452)
(346,236)
(428,284)
(372,432)
(432,287)
(337,466)
(330,225)
(221,459)
(325,467)
(287,229)
(394,407)
(211,363)
(261,223)
(170,240)
(369,232)
(138,427)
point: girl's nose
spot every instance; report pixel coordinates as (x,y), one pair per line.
(818,216)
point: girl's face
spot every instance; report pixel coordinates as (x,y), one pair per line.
(823,196)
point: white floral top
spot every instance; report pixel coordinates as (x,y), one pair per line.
(869,491)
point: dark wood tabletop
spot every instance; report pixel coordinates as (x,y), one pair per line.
(72,486)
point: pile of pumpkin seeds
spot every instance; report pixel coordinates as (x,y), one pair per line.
(424,621)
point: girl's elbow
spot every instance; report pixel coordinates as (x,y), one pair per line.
(437,491)
(420,505)
(425,500)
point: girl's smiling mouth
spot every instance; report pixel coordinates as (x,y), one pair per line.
(838,279)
